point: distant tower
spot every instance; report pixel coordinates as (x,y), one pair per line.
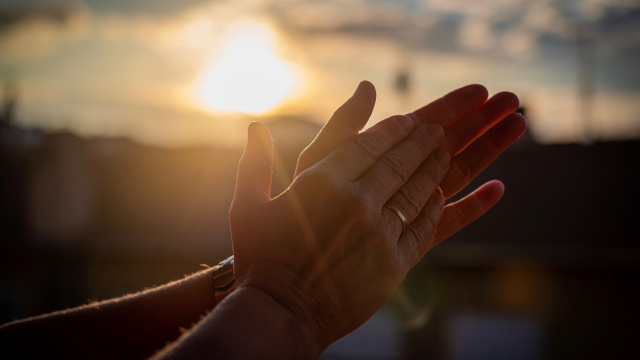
(402,81)
(9,100)
(402,85)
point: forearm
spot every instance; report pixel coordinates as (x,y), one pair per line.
(133,326)
(249,324)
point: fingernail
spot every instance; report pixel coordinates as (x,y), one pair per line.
(435,131)
(405,121)
(443,158)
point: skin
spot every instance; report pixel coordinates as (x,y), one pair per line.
(327,253)
(475,132)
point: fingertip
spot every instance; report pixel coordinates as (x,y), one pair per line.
(477,90)
(355,112)
(521,124)
(509,99)
(366,90)
(497,184)
(259,134)
(491,192)
(517,123)
(252,131)
(367,85)
(439,200)
(257,128)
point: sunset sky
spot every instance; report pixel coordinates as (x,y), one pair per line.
(191,73)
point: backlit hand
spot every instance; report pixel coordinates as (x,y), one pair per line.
(477,131)
(328,249)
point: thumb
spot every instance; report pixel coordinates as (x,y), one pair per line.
(253,184)
(345,123)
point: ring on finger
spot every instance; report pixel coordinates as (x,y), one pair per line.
(401,216)
(439,191)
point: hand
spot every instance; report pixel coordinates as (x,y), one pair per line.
(477,131)
(327,249)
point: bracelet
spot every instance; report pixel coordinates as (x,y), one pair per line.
(223,277)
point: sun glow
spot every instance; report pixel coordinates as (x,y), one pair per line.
(248,76)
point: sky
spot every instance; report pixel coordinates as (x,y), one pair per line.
(195,72)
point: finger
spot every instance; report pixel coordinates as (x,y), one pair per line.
(482,152)
(457,215)
(415,242)
(345,123)
(462,133)
(394,168)
(253,184)
(413,195)
(355,157)
(452,106)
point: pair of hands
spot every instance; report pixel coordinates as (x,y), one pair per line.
(328,249)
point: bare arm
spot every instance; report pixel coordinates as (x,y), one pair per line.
(249,324)
(133,326)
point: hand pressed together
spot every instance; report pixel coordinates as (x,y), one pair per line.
(329,249)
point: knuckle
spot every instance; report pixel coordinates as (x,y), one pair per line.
(431,221)
(368,145)
(324,181)
(412,199)
(419,234)
(433,173)
(436,132)
(396,164)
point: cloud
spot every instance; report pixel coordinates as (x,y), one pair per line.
(133,63)
(476,34)
(29,32)
(520,43)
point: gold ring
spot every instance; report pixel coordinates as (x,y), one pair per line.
(439,190)
(401,216)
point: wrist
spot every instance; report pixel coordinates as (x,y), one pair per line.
(285,288)
(268,326)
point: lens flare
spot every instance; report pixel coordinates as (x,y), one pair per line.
(248,76)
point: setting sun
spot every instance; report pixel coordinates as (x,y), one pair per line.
(248,76)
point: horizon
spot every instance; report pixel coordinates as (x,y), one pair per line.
(138,70)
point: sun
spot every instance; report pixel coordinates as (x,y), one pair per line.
(248,76)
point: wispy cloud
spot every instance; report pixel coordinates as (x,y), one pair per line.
(117,72)
(29,32)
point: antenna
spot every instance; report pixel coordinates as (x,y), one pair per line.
(586,76)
